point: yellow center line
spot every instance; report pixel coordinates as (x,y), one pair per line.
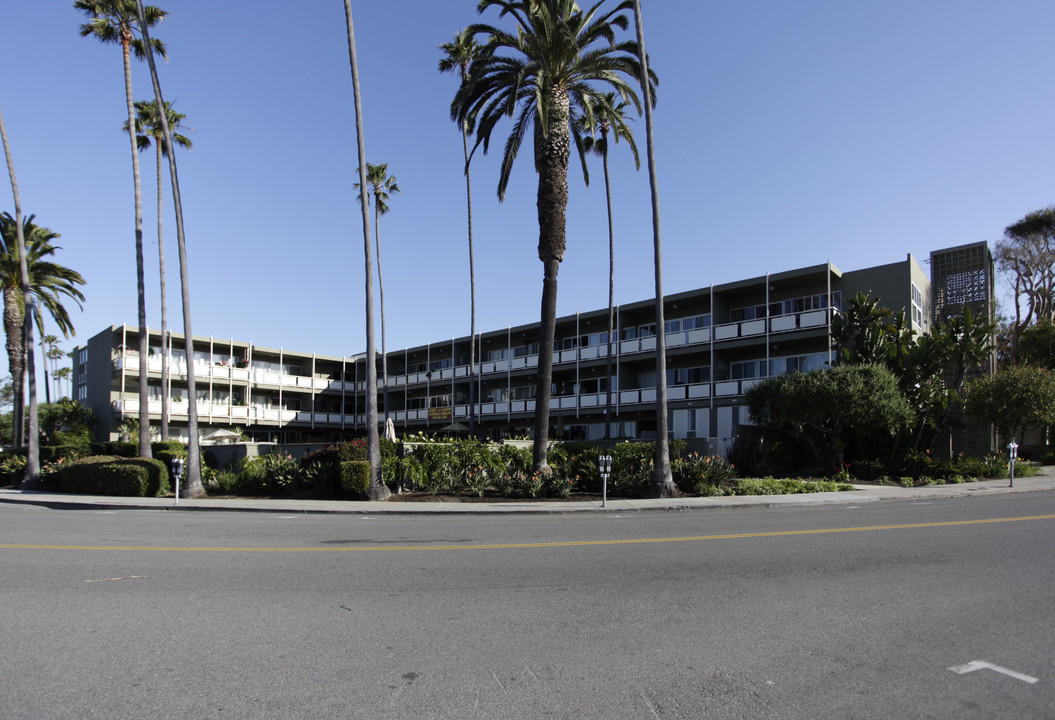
(509,546)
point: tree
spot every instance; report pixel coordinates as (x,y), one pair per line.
(31,476)
(1026,254)
(193,486)
(63,375)
(459,55)
(49,284)
(609,117)
(381,184)
(1016,398)
(558,60)
(856,406)
(148,126)
(378,490)
(117,22)
(860,333)
(662,481)
(1036,346)
(51,352)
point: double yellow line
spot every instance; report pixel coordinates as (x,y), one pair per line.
(513,546)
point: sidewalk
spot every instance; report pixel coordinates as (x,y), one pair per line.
(862,494)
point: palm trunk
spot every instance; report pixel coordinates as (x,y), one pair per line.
(193,486)
(164,311)
(16,357)
(144,409)
(662,481)
(472,291)
(47,388)
(381,292)
(31,477)
(551,161)
(611,300)
(378,490)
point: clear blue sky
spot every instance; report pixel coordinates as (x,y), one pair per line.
(787,134)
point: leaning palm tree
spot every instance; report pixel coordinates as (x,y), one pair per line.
(193,486)
(48,285)
(148,125)
(381,184)
(378,490)
(558,60)
(459,55)
(609,117)
(31,476)
(117,22)
(662,481)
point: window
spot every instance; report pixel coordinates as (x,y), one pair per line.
(689,376)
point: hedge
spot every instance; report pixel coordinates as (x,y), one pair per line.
(112,475)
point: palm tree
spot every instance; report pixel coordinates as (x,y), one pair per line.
(378,490)
(49,351)
(193,486)
(553,66)
(459,55)
(381,184)
(49,284)
(609,116)
(110,22)
(148,125)
(31,476)
(662,481)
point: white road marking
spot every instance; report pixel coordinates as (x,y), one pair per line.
(983,665)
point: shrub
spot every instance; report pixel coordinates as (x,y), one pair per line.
(115,476)
(631,468)
(785,486)
(225,483)
(701,474)
(355,477)
(1048,459)
(12,468)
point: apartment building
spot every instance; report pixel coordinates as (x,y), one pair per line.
(720,341)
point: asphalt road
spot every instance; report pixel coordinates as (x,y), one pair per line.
(819,612)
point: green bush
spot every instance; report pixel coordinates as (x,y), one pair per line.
(115,476)
(1048,459)
(225,483)
(701,474)
(784,486)
(12,467)
(631,468)
(355,477)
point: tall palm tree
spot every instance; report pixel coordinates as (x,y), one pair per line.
(458,56)
(148,125)
(31,476)
(558,60)
(55,354)
(381,184)
(117,22)
(193,486)
(662,481)
(49,351)
(378,490)
(609,117)
(48,285)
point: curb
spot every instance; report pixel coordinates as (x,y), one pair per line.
(862,494)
